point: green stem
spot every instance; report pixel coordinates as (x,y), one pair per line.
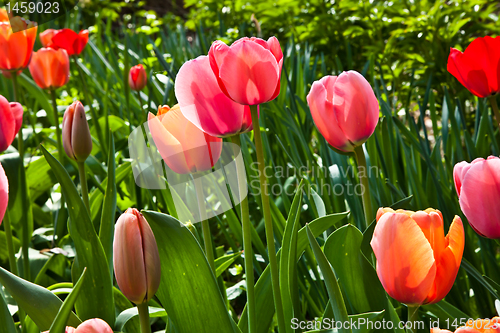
(144,317)
(10,244)
(494,107)
(141,104)
(247,232)
(365,186)
(58,130)
(83,184)
(412,318)
(207,236)
(273,262)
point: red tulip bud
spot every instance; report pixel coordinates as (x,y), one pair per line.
(136,260)
(76,137)
(11,119)
(137,78)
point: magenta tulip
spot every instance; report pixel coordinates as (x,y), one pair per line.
(344,109)
(205,105)
(248,71)
(478,188)
(77,140)
(11,119)
(4,193)
(136,260)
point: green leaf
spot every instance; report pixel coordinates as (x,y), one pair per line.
(128,314)
(471,270)
(96,300)
(188,288)
(61,320)
(5,317)
(39,303)
(223,263)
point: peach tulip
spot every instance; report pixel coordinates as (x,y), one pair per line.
(77,141)
(46,38)
(344,109)
(11,119)
(72,42)
(478,188)
(50,68)
(248,71)
(476,326)
(4,193)
(136,260)
(416,263)
(182,145)
(16,47)
(137,78)
(205,105)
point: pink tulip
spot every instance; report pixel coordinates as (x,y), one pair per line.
(68,329)
(248,71)
(11,119)
(182,145)
(137,78)
(344,109)
(77,140)
(4,193)
(136,260)
(92,326)
(478,188)
(205,105)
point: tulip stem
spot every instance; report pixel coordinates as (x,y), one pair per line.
(141,106)
(144,317)
(83,185)
(494,107)
(412,318)
(365,185)
(273,262)
(247,232)
(58,130)
(207,235)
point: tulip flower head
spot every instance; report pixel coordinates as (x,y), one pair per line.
(16,47)
(137,77)
(50,68)
(248,71)
(46,38)
(478,189)
(72,42)
(182,145)
(11,119)
(95,325)
(136,260)
(77,140)
(476,326)
(477,68)
(205,105)
(4,193)
(416,263)
(344,109)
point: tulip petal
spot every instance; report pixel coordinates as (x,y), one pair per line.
(405,264)
(93,326)
(152,264)
(17,112)
(4,193)
(7,124)
(431,224)
(438,330)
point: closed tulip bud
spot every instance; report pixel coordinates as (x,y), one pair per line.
(137,77)
(46,38)
(344,109)
(11,119)
(50,68)
(478,188)
(72,42)
(17,38)
(136,260)
(4,193)
(416,263)
(77,140)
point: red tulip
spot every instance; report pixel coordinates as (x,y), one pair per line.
(137,77)
(205,105)
(478,68)
(4,193)
(50,68)
(72,42)
(92,326)
(46,38)
(136,260)
(11,119)
(416,263)
(478,188)
(77,140)
(183,146)
(16,47)
(344,109)
(476,326)
(248,71)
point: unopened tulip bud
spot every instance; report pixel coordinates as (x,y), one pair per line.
(136,260)
(137,78)
(77,140)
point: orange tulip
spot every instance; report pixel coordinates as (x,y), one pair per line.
(50,68)
(4,16)
(182,145)
(476,326)
(16,47)
(416,263)
(46,38)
